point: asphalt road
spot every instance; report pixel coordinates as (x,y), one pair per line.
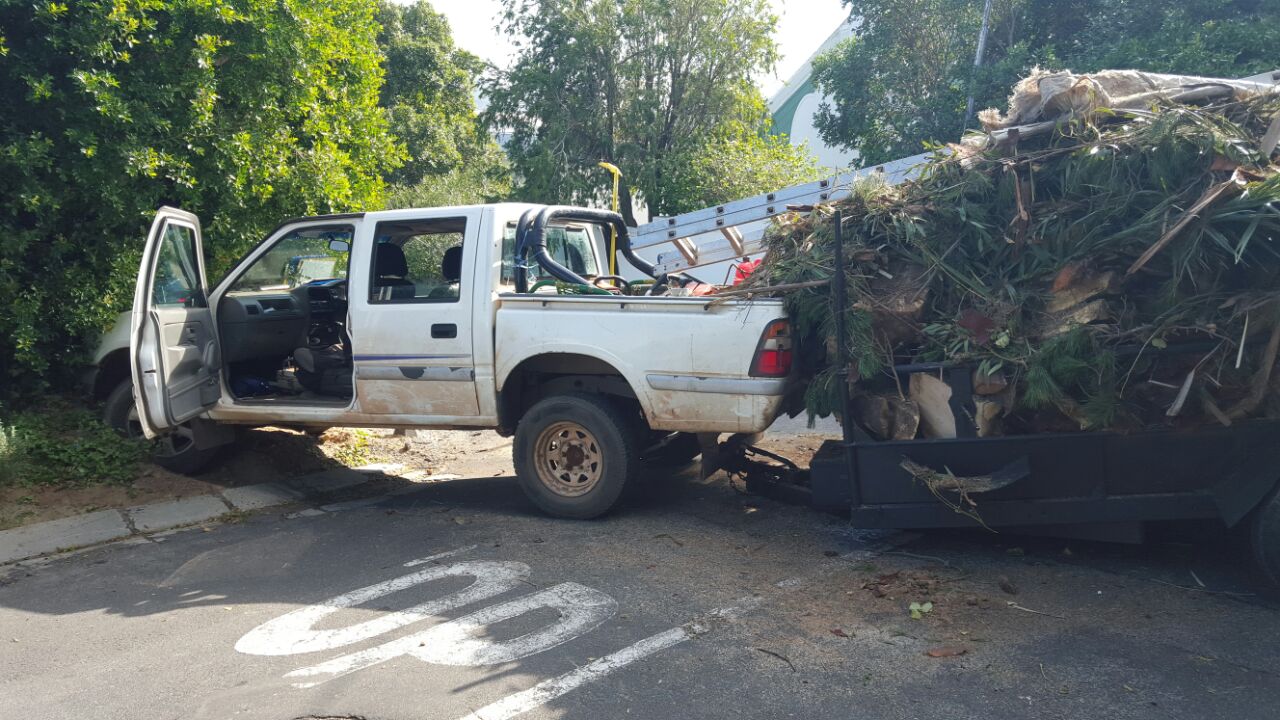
(457,600)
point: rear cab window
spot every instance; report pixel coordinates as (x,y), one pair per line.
(572,247)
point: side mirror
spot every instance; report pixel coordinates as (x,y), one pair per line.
(339,246)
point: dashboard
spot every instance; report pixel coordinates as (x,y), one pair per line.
(276,322)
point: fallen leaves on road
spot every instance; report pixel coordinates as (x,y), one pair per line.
(780,656)
(1007,585)
(838,632)
(1016,606)
(919,610)
(946,651)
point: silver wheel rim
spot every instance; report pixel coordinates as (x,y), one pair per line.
(568,459)
(171,444)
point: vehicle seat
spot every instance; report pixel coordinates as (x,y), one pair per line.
(390,274)
(324,370)
(451,264)
(451,271)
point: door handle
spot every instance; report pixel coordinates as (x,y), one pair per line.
(441,331)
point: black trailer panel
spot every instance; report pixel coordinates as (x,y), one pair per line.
(1076,478)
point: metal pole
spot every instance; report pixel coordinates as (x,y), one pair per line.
(841,311)
(977,60)
(613,232)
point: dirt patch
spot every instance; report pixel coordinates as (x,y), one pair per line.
(273,454)
(27,505)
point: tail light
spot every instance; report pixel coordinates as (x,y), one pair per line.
(773,354)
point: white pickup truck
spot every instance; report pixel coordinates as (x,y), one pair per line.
(434,318)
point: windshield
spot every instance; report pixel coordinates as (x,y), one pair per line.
(298,258)
(572,247)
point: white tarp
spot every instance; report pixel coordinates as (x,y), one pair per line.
(1047,96)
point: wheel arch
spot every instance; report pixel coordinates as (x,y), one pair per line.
(112,369)
(558,371)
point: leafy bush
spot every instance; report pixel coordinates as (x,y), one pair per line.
(242,111)
(65,446)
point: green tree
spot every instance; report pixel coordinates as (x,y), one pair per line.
(429,91)
(644,84)
(738,166)
(484,176)
(243,111)
(903,80)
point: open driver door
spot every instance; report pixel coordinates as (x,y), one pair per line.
(173,345)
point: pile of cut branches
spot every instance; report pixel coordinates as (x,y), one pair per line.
(1115,269)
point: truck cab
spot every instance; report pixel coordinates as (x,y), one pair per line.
(439,318)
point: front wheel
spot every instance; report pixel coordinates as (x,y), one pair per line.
(175,451)
(1265,534)
(574,456)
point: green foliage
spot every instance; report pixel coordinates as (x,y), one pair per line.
(484,177)
(243,111)
(429,95)
(983,241)
(63,446)
(740,165)
(352,448)
(904,79)
(643,84)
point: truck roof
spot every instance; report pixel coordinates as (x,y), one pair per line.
(376,214)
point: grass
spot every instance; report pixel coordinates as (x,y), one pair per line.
(352,447)
(64,445)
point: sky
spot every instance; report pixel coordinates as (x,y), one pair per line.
(803,25)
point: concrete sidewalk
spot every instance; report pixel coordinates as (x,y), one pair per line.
(106,525)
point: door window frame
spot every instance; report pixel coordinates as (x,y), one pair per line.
(266,246)
(371,297)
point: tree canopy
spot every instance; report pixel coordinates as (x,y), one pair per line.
(429,95)
(644,84)
(904,78)
(243,111)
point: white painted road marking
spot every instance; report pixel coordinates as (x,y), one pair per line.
(548,690)
(439,556)
(292,632)
(581,609)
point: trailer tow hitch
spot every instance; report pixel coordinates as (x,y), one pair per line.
(763,472)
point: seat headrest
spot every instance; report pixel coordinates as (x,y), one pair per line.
(451,264)
(388,261)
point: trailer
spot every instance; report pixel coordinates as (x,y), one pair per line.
(1088,485)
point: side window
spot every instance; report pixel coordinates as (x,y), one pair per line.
(301,257)
(418,261)
(177,278)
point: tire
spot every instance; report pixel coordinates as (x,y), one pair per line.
(175,452)
(677,450)
(1264,532)
(574,455)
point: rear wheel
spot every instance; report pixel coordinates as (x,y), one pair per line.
(574,455)
(1265,535)
(175,451)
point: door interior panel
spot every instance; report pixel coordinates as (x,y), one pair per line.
(185,342)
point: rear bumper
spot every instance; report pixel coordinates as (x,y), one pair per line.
(708,404)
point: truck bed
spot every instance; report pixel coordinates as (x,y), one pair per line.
(686,359)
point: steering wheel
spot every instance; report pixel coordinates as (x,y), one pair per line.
(619,282)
